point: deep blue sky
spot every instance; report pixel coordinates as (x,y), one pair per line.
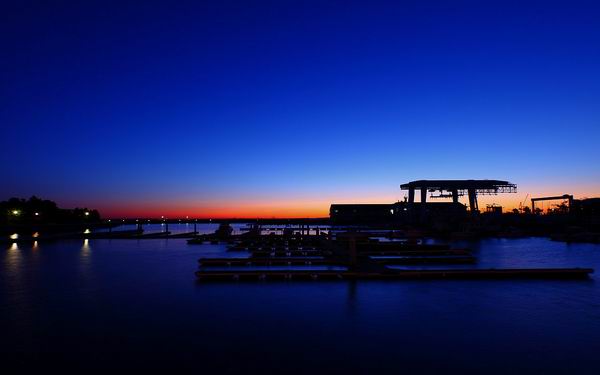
(173,106)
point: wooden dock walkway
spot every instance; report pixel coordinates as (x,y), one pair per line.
(319,260)
(447,274)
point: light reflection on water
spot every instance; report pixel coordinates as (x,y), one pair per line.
(85,281)
(85,248)
(87,293)
(13,259)
(86,252)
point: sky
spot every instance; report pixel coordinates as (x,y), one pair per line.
(280,108)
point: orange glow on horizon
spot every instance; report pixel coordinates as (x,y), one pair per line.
(307,206)
(267,211)
(223,210)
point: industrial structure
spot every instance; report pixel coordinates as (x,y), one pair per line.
(410,211)
(589,207)
(566,197)
(586,207)
(458,188)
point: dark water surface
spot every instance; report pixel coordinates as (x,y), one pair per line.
(135,304)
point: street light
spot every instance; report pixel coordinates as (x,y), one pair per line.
(87,213)
(16,212)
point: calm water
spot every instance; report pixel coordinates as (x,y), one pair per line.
(128,304)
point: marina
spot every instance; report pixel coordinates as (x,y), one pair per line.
(115,283)
(331,253)
(300,187)
(349,255)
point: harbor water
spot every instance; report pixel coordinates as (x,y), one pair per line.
(103,304)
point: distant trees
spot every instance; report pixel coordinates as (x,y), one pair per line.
(36,210)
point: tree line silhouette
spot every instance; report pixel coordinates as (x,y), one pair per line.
(42,211)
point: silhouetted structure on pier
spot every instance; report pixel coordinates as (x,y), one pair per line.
(587,207)
(399,212)
(566,197)
(367,213)
(411,211)
(457,188)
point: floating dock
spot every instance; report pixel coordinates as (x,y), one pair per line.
(448,274)
(356,256)
(301,261)
(429,259)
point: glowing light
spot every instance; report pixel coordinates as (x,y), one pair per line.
(87,213)
(14,236)
(36,213)
(16,212)
(87,231)
(85,249)
(35,235)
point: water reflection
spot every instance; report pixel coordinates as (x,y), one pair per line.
(35,254)
(86,273)
(85,258)
(16,301)
(86,249)
(351,300)
(12,259)
(462,316)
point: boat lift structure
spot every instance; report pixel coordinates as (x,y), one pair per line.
(457,188)
(567,197)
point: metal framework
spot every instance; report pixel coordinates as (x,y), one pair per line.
(567,197)
(458,188)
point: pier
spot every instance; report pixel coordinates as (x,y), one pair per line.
(533,273)
(354,256)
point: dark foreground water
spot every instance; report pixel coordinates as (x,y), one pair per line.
(128,304)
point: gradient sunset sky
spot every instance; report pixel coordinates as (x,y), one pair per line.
(280,108)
